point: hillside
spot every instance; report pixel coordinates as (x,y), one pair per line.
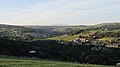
(21,33)
(109,25)
(58,30)
(38,32)
(102,32)
(30,32)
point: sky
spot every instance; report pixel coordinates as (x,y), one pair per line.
(59,12)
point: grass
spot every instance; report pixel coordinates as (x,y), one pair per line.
(108,39)
(65,38)
(22,62)
(114,31)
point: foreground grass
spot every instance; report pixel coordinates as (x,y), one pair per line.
(20,62)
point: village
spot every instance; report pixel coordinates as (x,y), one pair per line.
(92,41)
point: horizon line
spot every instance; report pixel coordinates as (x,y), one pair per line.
(58,24)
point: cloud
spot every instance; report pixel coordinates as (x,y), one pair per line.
(52,12)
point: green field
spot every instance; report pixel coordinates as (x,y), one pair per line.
(25,62)
(64,38)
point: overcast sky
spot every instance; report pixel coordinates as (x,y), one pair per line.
(59,12)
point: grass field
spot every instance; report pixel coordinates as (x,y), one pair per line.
(65,38)
(22,62)
(108,39)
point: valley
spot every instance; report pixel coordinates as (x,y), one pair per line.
(98,44)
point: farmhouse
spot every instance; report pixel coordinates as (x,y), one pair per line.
(80,40)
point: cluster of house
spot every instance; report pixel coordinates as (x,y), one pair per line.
(81,40)
(117,44)
(94,42)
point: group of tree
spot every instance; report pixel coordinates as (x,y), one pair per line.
(52,49)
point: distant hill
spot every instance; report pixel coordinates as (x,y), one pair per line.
(29,32)
(58,30)
(21,33)
(107,26)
